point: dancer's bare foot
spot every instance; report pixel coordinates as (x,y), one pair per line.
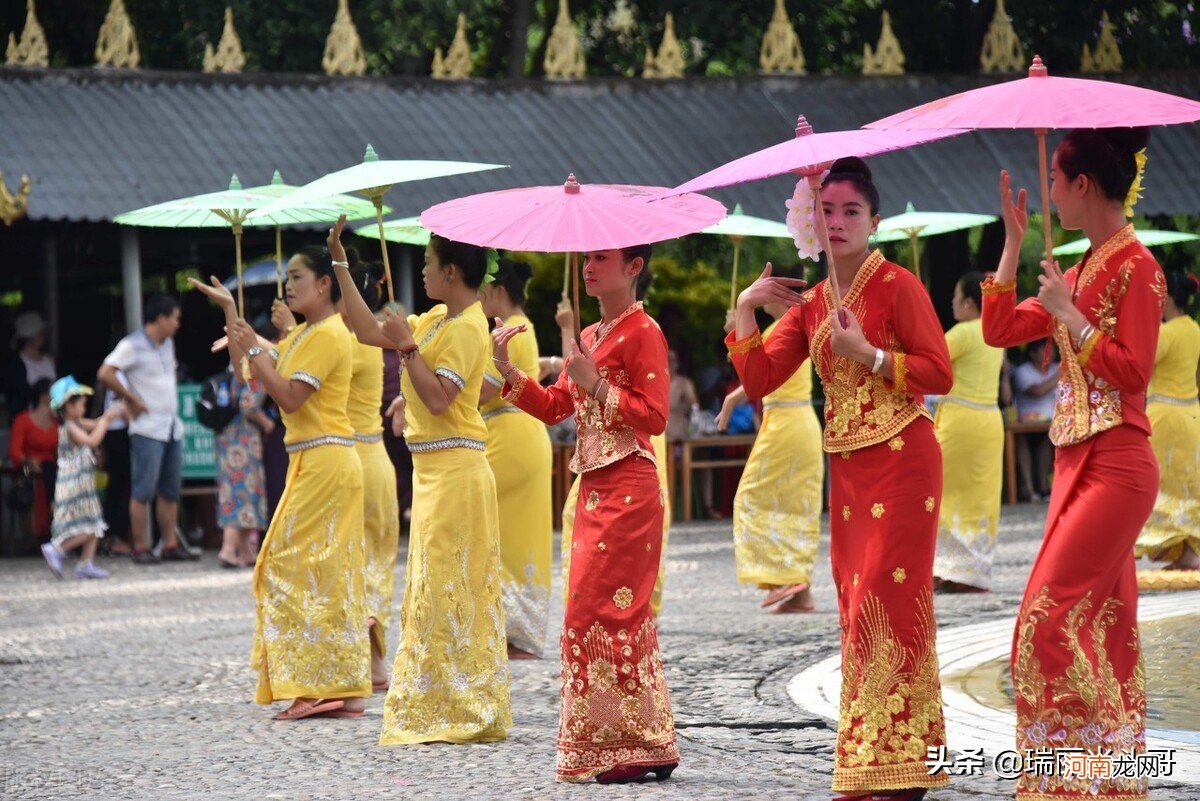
(516,653)
(800,603)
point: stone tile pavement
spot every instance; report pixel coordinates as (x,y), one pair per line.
(138,688)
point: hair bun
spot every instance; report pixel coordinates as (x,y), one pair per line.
(852,165)
(1126,140)
(352,257)
(523,270)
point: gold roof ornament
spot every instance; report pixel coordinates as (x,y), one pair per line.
(781,53)
(13,207)
(228,57)
(1106,57)
(343,48)
(669,62)
(564,53)
(887,58)
(32,50)
(456,65)
(117,46)
(1002,51)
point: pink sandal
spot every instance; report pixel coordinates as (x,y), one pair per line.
(320,708)
(782,594)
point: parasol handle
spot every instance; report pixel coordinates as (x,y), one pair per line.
(1044,175)
(814,181)
(737,249)
(278,263)
(575,293)
(915,240)
(566,276)
(237,247)
(387,265)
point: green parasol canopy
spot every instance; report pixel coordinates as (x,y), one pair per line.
(913,224)
(1150,237)
(405,231)
(737,226)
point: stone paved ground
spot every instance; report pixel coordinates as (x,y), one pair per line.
(138,687)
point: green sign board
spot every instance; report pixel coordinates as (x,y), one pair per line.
(199,450)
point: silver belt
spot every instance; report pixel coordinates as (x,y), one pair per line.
(501,410)
(983,407)
(317,442)
(445,444)
(368,438)
(1172,401)
(786,404)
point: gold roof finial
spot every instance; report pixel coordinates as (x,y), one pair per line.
(228,57)
(1002,51)
(564,54)
(343,49)
(456,65)
(32,50)
(13,207)
(887,58)
(781,53)
(117,46)
(1106,57)
(669,62)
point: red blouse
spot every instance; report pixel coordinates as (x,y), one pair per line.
(1120,288)
(631,353)
(861,408)
(30,441)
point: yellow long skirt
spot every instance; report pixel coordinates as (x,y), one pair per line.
(777,508)
(1175,521)
(661,454)
(518,449)
(450,675)
(972,443)
(381,530)
(310,637)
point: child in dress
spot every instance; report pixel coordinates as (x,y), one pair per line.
(78,518)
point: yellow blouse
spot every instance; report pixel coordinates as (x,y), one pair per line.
(318,355)
(366,391)
(456,348)
(1175,360)
(797,390)
(523,353)
(976,364)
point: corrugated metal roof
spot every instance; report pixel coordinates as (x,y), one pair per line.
(99,143)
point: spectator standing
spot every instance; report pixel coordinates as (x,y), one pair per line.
(33,447)
(147,358)
(115,453)
(241,490)
(1033,383)
(30,362)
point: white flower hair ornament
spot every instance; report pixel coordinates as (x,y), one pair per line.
(802,220)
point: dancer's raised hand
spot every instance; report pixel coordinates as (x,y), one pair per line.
(1015,213)
(501,335)
(770,289)
(215,291)
(334,240)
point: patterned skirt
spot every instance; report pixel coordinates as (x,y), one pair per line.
(615,706)
(972,441)
(1175,522)
(381,535)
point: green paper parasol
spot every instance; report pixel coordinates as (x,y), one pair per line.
(1149,237)
(737,226)
(913,224)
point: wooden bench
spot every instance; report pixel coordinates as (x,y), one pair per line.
(689,464)
(1010,451)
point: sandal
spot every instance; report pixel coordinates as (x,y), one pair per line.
(381,686)
(315,708)
(782,594)
(793,606)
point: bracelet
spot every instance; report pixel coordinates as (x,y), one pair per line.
(408,351)
(879,354)
(345,264)
(596,387)
(1084,335)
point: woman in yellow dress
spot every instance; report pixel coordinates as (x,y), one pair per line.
(970,430)
(777,508)
(518,449)
(310,644)
(450,676)
(1173,532)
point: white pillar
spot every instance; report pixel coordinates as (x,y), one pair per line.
(50,284)
(405,280)
(131,278)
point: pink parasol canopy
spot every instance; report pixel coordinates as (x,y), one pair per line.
(809,150)
(1041,102)
(571,218)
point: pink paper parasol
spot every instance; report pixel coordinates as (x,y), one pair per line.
(805,155)
(1041,102)
(571,218)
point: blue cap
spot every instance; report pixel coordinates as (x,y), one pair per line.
(64,389)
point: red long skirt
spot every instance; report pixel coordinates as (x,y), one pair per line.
(1076,662)
(615,706)
(883,527)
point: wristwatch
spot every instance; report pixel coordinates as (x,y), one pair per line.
(254,351)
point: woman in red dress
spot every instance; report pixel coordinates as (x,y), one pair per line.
(885,477)
(1076,663)
(616,723)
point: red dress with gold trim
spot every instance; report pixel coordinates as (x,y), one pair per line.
(615,707)
(1076,662)
(885,487)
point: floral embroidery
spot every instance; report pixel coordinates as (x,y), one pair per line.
(930,503)
(650,376)
(991,286)
(593,500)
(891,276)
(899,575)
(845,512)
(623,598)
(877,511)
(845,454)
(628,499)
(896,442)
(746,345)
(854,581)
(601,546)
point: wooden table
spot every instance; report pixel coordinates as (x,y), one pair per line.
(1010,451)
(689,464)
